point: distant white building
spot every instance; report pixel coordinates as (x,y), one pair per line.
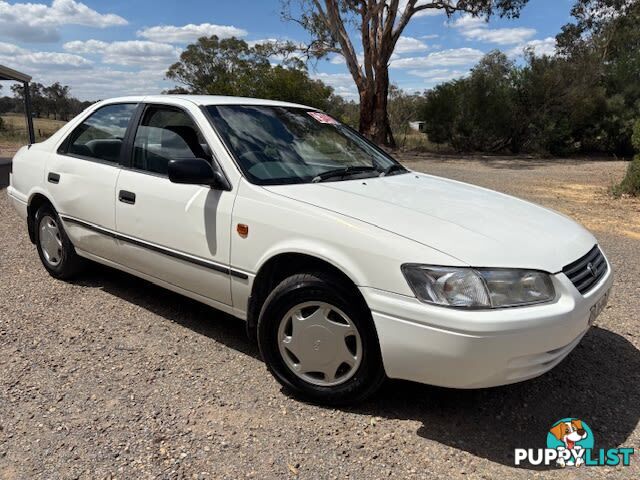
(417,126)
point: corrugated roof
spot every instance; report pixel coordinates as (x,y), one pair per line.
(7,73)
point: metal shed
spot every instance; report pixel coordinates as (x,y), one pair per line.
(7,73)
(10,74)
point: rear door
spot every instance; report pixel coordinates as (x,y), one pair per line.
(81,178)
(176,233)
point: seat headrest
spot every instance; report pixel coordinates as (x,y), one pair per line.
(179,137)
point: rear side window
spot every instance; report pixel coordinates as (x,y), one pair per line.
(165,134)
(101,135)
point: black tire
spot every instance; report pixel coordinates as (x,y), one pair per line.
(70,263)
(322,287)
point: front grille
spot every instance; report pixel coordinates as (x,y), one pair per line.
(585,272)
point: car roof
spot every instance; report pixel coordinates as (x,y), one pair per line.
(203,100)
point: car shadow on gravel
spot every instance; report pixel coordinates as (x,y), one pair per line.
(598,383)
(174,307)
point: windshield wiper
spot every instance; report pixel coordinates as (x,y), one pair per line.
(396,167)
(342,172)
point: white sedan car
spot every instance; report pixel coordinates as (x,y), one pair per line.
(348,267)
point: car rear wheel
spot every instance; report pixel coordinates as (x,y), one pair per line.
(54,247)
(318,340)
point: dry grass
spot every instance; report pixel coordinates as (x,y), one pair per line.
(45,124)
(413,141)
(14,133)
(594,207)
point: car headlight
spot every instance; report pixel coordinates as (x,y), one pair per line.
(478,287)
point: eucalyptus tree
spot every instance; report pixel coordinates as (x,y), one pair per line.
(337,26)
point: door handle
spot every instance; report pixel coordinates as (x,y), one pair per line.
(127,197)
(53,177)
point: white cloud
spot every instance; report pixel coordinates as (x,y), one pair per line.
(43,59)
(189,33)
(443,58)
(467,21)
(439,75)
(37,22)
(404,45)
(106,82)
(338,79)
(429,37)
(11,49)
(30,61)
(475,28)
(88,81)
(89,46)
(338,59)
(546,46)
(409,44)
(342,84)
(132,52)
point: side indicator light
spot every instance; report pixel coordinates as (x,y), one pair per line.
(243,230)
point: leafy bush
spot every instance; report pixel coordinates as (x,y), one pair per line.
(635,137)
(584,99)
(630,184)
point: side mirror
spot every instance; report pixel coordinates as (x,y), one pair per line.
(196,171)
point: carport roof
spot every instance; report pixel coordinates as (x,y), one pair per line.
(7,73)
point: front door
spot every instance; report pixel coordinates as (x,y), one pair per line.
(176,233)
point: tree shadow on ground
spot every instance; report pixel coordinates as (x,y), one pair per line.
(599,383)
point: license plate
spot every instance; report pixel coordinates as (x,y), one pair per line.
(598,307)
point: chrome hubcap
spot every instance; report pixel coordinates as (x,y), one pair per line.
(320,343)
(50,240)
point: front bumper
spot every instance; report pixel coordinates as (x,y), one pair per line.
(474,349)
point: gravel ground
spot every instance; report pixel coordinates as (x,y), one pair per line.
(112,377)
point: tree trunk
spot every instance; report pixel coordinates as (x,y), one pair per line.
(367,107)
(374,120)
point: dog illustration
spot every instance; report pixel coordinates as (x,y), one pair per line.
(570,433)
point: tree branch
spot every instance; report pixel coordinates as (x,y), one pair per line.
(333,21)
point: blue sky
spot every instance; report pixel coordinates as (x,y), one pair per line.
(105,49)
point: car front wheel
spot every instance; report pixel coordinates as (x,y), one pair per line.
(317,338)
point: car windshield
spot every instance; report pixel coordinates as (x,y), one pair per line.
(283,145)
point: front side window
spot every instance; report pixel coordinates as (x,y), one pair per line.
(279,145)
(101,135)
(165,134)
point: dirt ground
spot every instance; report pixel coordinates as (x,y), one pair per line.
(112,377)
